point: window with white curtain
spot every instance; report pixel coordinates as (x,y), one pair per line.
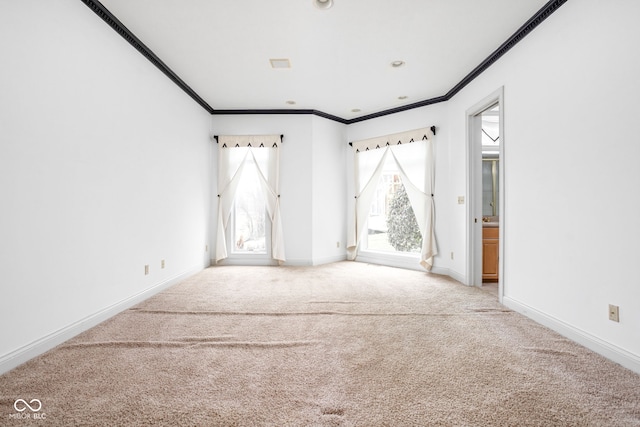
(248,197)
(394,182)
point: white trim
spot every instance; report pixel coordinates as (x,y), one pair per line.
(409,262)
(608,350)
(502,195)
(329,259)
(27,352)
(451,273)
(248,260)
(298,262)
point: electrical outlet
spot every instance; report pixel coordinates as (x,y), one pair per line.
(206,248)
(146,270)
(614,313)
(451,255)
(461,200)
(337,244)
(162,264)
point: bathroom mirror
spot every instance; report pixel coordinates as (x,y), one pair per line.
(490,164)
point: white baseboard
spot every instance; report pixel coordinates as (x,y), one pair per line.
(610,351)
(23,354)
(246,261)
(457,276)
(408,262)
(442,271)
(329,259)
(300,262)
(297,262)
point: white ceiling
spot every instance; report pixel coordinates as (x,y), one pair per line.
(340,57)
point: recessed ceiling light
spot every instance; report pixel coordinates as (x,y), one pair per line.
(396,64)
(280,63)
(356,110)
(291,102)
(323,4)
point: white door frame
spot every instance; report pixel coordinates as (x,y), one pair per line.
(474,190)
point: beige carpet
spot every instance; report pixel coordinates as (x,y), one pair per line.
(345,344)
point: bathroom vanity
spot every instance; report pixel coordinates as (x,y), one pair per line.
(490,251)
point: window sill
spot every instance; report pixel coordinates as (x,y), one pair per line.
(248,259)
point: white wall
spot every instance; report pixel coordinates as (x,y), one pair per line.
(571,172)
(328,191)
(104,167)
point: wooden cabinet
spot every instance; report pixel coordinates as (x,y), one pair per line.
(490,251)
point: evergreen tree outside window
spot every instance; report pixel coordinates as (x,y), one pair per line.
(392,225)
(403,232)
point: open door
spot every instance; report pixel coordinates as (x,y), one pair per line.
(485,211)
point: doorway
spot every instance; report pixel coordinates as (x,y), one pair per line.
(485,158)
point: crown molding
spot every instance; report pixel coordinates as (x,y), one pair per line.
(399,109)
(281,111)
(99,9)
(521,33)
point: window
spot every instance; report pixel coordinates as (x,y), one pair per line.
(249,222)
(249,214)
(392,225)
(394,210)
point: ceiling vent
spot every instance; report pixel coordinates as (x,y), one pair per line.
(280,63)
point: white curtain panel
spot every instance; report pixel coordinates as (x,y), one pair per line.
(412,153)
(234,154)
(268,174)
(415,163)
(230,165)
(368,169)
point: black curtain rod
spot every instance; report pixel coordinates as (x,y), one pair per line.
(433,129)
(216,138)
